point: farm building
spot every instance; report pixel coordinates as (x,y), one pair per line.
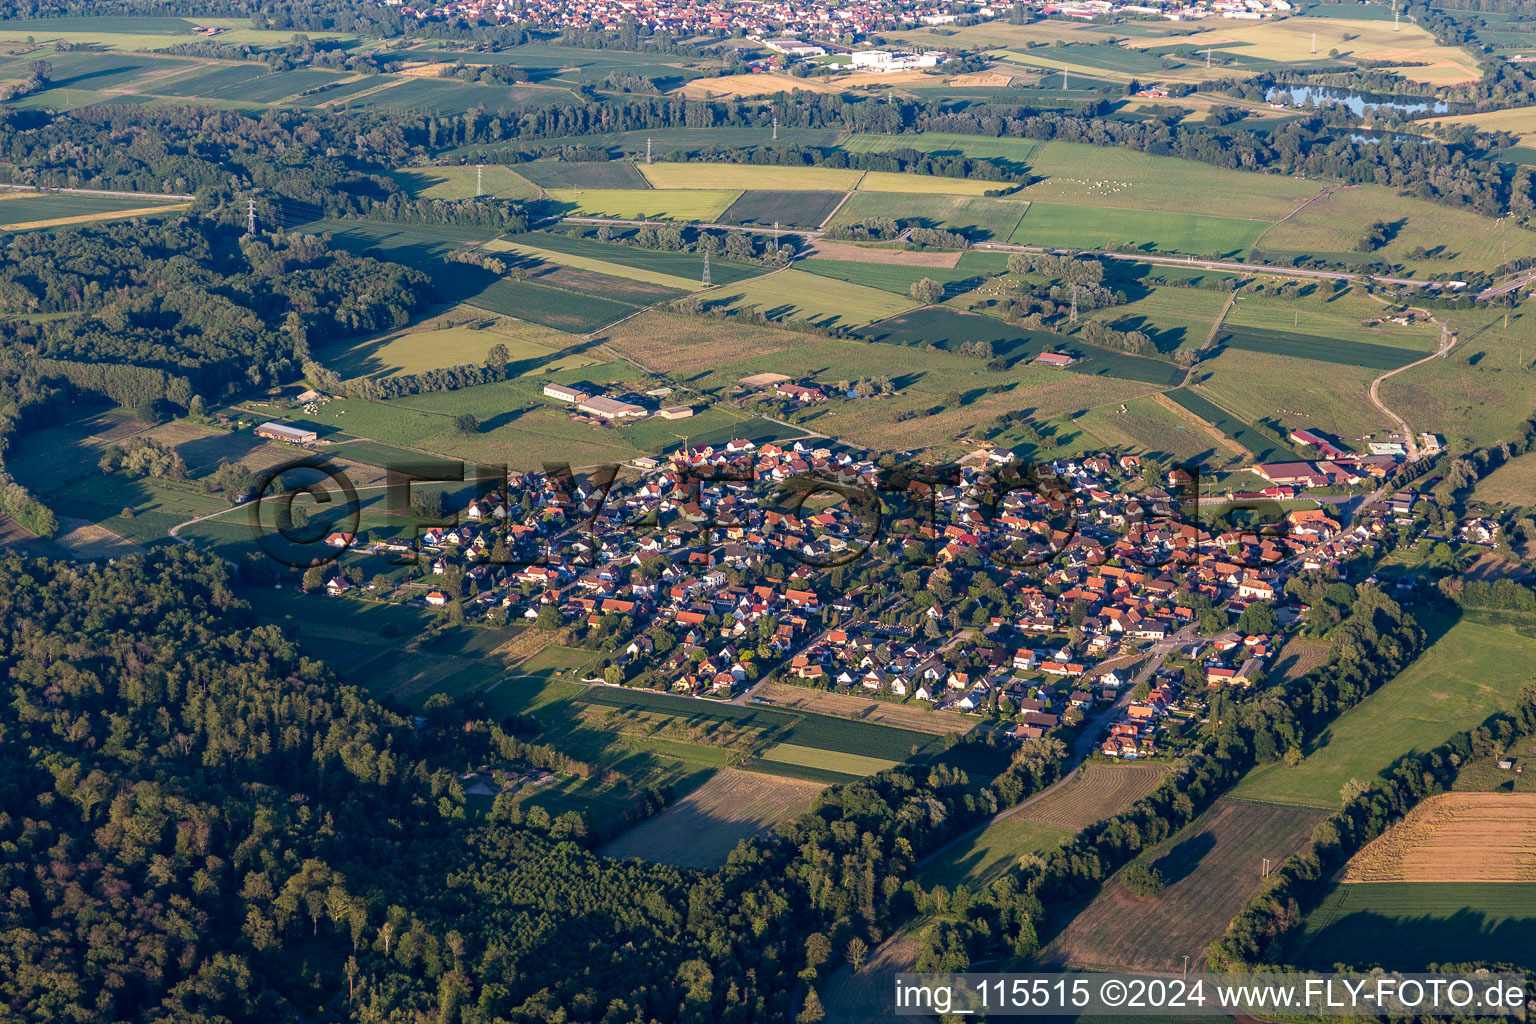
(1327,448)
(1054,359)
(795,48)
(800,393)
(675,412)
(1297,474)
(610,408)
(564,393)
(283,432)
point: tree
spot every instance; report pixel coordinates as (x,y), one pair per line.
(1353,789)
(927,291)
(1142,690)
(1258,619)
(466,424)
(1142,880)
(858,949)
(313,579)
(549,619)
(811,1012)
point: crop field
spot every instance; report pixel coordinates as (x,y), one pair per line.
(531,256)
(1315,349)
(1084,175)
(947,329)
(1018,152)
(1341,315)
(563,297)
(1519,121)
(27,210)
(342,88)
(648,204)
(1212,867)
(996,850)
(1263,447)
(1513,483)
(1410,925)
(881,712)
(980,220)
(1091,227)
(1454,685)
(783,208)
(1175,318)
(415,245)
(463,336)
(826,760)
(1290,40)
(896,277)
(1457,240)
(926,184)
(701,829)
(1098,791)
(673,264)
(149,33)
(445,96)
(705,175)
(498,181)
(1454,837)
(599,174)
(793,295)
(683,345)
(1157,427)
(1257,386)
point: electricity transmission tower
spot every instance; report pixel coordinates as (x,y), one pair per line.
(647,149)
(250,217)
(1314,42)
(706,268)
(775,129)
(479,179)
(1074,302)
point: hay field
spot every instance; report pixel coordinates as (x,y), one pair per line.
(497,180)
(866,709)
(700,830)
(926,184)
(1455,837)
(703,175)
(698,204)
(1290,41)
(795,295)
(672,343)
(1098,791)
(826,760)
(597,266)
(1520,121)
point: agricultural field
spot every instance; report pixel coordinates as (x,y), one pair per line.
(1454,837)
(1263,446)
(611,174)
(1519,122)
(687,265)
(927,184)
(23,211)
(700,830)
(825,760)
(1078,174)
(1257,386)
(463,335)
(1058,225)
(129,33)
(530,256)
(1513,483)
(793,295)
(1458,241)
(1454,685)
(969,270)
(1340,315)
(1019,153)
(1410,925)
(1212,867)
(686,346)
(1290,41)
(882,712)
(1175,318)
(707,175)
(1159,427)
(498,181)
(647,204)
(1314,349)
(979,219)
(782,208)
(1097,791)
(992,853)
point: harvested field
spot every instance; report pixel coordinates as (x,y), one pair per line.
(1296,659)
(1409,925)
(85,539)
(1098,791)
(828,250)
(1455,837)
(700,830)
(672,343)
(826,760)
(841,705)
(1213,867)
(743,176)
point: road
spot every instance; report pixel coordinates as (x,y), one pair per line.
(1087,740)
(1519,281)
(1447,341)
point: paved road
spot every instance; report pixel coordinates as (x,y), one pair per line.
(1520,281)
(1447,340)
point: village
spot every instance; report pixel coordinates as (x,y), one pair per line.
(1036,600)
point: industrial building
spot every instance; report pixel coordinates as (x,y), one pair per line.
(283,432)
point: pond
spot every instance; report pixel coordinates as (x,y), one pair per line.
(1302,95)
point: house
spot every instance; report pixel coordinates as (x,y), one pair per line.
(340,540)
(800,393)
(337,585)
(437,599)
